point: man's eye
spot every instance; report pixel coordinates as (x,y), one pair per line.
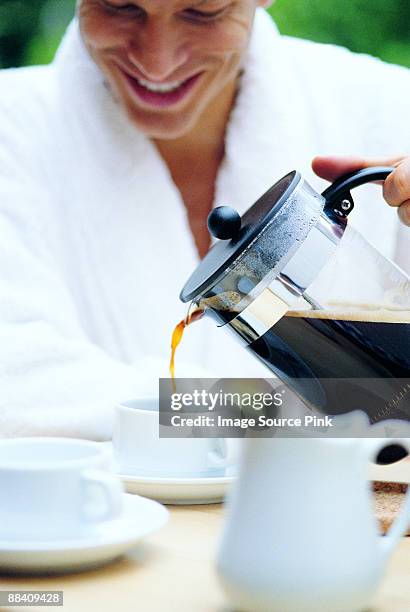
(124,8)
(195,15)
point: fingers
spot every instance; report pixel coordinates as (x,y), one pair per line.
(331,167)
(404,212)
(396,188)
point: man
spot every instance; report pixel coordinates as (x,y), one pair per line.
(111,159)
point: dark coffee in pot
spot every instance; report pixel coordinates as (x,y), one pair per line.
(357,359)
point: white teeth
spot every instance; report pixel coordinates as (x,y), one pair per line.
(160,87)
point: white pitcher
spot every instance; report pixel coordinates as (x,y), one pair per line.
(301,535)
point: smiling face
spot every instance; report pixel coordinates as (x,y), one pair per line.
(167,61)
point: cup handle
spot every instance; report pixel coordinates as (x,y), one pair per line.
(226,457)
(402,522)
(112,490)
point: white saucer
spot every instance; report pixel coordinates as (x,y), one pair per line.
(139,518)
(199,490)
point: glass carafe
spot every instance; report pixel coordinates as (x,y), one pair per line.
(311,298)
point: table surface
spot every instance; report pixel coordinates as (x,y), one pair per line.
(174,570)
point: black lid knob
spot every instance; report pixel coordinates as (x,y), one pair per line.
(236,234)
(224,222)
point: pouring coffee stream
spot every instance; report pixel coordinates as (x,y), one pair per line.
(194,313)
(308,296)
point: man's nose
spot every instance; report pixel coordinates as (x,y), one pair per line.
(157,50)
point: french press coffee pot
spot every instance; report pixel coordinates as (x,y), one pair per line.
(310,297)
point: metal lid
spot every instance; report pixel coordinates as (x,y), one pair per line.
(268,232)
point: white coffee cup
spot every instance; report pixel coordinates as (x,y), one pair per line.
(55,488)
(139,450)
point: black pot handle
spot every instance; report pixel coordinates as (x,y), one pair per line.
(339,201)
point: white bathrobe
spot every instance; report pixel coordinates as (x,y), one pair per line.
(94,240)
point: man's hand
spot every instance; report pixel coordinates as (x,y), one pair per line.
(396,188)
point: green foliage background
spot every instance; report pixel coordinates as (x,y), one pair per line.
(30,30)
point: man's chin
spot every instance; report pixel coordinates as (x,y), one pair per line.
(162,128)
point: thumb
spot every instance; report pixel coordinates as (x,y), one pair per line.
(330,168)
